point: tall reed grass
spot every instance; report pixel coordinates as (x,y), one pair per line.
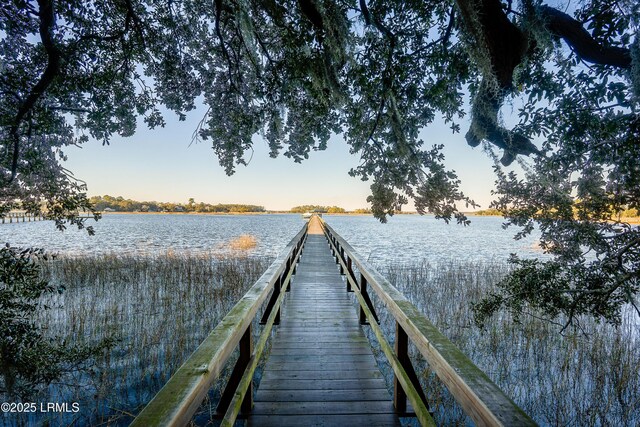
(158,308)
(586,376)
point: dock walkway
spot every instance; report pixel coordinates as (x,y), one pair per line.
(321,371)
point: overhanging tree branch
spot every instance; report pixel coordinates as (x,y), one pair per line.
(573,33)
(47,23)
(504,43)
(506,46)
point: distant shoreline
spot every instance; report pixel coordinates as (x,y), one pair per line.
(235,213)
(630,220)
(184,213)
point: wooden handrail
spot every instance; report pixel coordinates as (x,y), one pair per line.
(176,403)
(406,379)
(480,398)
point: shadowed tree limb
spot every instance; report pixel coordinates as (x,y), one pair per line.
(507,46)
(311,12)
(46,15)
(573,33)
(484,125)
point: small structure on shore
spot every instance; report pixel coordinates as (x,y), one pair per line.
(308,215)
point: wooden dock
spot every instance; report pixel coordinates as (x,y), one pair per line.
(11,217)
(321,371)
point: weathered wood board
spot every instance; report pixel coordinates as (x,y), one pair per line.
(321,371)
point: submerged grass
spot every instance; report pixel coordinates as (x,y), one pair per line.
(159,308)
(587,376)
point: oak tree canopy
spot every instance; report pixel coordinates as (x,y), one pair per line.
(376,72)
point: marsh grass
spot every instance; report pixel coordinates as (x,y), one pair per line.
(586,376)
(243,243)
(157,307)
(160,307)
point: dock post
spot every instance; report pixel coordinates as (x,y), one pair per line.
(367,299)
(246,349)
(272,301)
(350,270)
(399,395)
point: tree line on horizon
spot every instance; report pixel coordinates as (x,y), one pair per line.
(317,208)
(120,204)
(626,213)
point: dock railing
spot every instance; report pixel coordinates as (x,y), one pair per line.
(480,398)
(176,403)
(11,217)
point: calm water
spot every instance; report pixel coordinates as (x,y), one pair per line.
(405,238)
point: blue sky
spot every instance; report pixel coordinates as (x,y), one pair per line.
(161,165)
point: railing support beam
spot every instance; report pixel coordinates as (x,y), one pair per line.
(290,263)
(246,349)
(367,299)
(272,301)
(350,271)
(399,395)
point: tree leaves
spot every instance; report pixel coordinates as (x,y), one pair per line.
(376,73)
(29,360)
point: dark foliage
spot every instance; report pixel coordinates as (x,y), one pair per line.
(28,359)
(377,72)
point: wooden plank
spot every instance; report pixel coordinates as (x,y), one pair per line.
(321,351)
(337,342)
(329,358)
(329,317)
(320,375)
(321,340)
(321,408)
(381,394)
(348,330)
(480,397)
(312,322)
(356,383)
(344,314)
(369,420)
(315,329)
(345,311)
(323,333)
(368,364)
